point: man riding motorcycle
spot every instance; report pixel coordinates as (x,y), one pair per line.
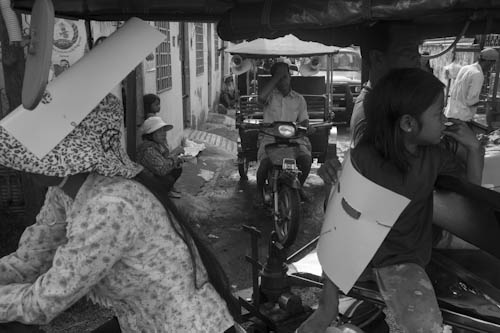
(281,103)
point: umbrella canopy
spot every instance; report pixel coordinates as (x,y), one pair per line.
(288,45)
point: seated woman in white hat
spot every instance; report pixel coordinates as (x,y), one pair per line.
(155,156)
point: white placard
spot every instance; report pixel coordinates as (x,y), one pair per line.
(358,217)
(72,95)
(491,171)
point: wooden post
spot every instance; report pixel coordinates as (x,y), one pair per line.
(13,67)
(134,113)
(491,111)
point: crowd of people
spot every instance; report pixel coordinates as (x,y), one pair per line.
(108,229)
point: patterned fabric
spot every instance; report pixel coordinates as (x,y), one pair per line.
(155,158)
(35,257)
(291,107)
(410,297)
(117,244)
(93,146)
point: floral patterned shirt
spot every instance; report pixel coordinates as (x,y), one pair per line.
(155,158)
(116,244)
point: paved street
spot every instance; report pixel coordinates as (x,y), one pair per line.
(220,204)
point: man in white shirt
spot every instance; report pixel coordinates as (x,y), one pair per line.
(281,103)
(464,96)
(385,46)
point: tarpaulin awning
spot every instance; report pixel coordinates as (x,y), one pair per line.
(152,10)
(288,45)
(331,22)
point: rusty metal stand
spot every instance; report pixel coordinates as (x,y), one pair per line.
(273,304)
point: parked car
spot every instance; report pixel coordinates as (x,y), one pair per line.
(345,81)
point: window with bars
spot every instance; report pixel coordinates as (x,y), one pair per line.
(198,29)
(216,49)
(163,59)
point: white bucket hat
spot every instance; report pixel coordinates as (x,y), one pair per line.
(93,146)
(152,124)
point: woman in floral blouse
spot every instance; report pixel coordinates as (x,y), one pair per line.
(108,232)
(154,155)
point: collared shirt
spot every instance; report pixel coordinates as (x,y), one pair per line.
(291,107)
(465,93)
(116,244)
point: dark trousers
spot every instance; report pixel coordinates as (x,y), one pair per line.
(226,99)
(113,326)
(304,162)
(170,178)
(15,327)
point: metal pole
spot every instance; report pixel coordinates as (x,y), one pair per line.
(491,112)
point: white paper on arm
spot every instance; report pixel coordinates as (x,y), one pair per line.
(355,225)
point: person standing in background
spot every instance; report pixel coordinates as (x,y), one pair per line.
(385,46)
(464,96)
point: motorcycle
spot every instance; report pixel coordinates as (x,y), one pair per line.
(281,191)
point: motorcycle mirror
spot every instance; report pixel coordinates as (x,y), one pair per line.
(39,53)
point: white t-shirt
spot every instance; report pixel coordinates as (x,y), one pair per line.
(465,93)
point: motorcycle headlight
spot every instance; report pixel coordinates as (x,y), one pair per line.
(286,130)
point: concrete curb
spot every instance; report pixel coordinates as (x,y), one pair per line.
(222,119)
(211,139)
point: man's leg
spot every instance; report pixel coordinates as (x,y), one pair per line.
(264,166)
(409,295)
(175,174)
(304,162)
(169,181)
(172,177)
(224,99)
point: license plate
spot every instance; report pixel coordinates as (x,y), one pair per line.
(289,164)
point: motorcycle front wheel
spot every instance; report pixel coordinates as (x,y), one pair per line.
(286,224)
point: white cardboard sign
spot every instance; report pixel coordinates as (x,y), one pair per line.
(71,96)
(358,217)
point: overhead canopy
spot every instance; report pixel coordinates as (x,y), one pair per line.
(288,45)
(331,22)
(153,10)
